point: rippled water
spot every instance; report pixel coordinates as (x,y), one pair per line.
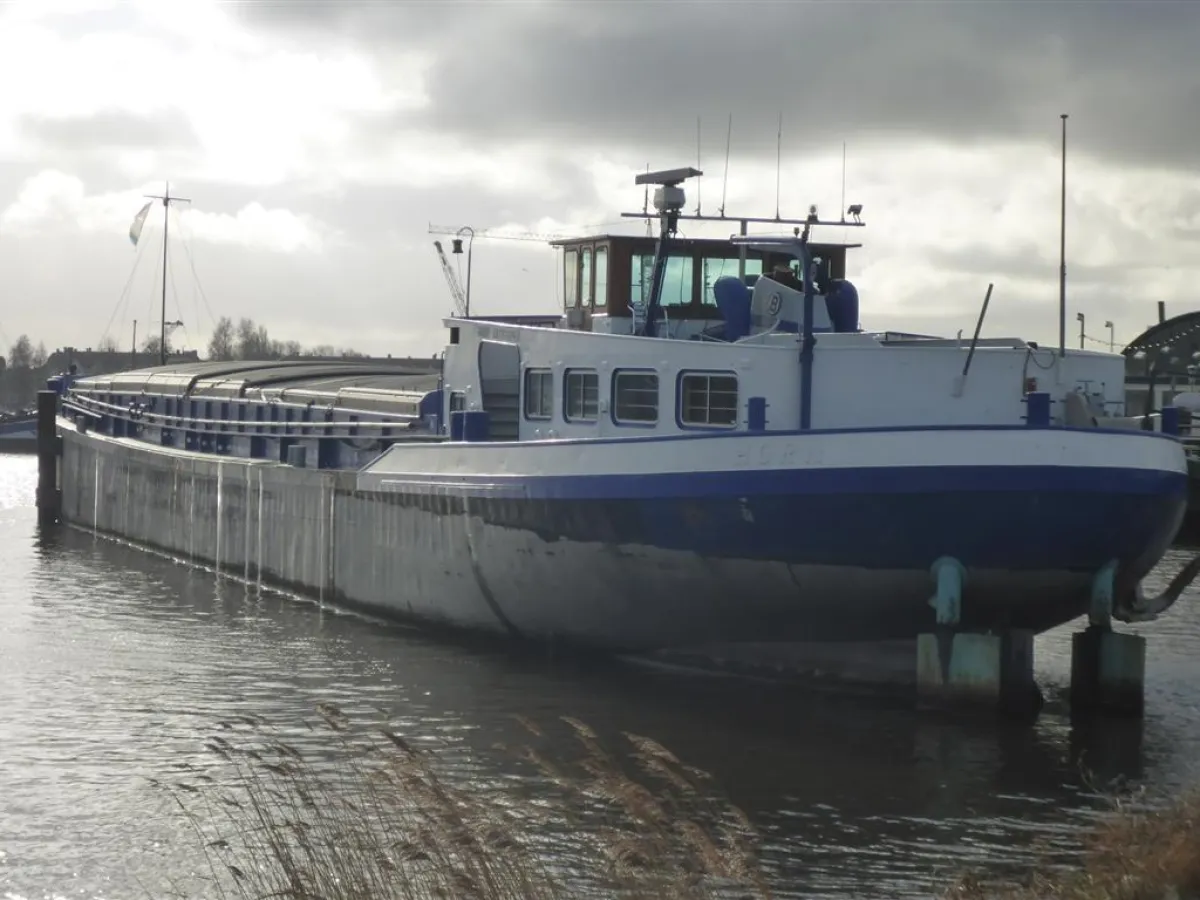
(116,664)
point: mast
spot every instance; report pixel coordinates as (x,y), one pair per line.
(167,200)
(1062,249)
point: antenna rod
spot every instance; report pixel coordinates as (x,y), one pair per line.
(1062,249)
(778,162)
(843,181)
(698,165)
(167,200)
(162,344)
(725,180)
(645,204)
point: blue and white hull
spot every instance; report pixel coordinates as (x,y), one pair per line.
(705,448)
(820,536)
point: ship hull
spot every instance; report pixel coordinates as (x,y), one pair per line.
(757,538)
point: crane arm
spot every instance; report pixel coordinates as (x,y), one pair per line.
(506,234)
(456,291)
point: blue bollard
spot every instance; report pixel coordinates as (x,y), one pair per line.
(756,414)
(1037,409)
(1170,420)
(475,425)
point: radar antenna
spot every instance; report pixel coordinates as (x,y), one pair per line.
(669,199)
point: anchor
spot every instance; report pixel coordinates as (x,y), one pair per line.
(1129,603)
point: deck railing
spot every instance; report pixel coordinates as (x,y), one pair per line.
(138,416)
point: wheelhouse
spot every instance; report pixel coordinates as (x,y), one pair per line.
(607,279)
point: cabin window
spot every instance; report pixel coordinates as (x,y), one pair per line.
(585,277)
(719,268)
(708,400)
(678,280)
(539,394)
(458,401)
(635,397)
(641,269)
(582,395)
(570,279)
(601,297)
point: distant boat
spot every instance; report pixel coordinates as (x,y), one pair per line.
(18,432)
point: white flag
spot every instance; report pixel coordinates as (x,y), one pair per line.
(135,230)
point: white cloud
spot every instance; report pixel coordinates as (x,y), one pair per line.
(255,226)
(262,114)
(47,196)
(52,200)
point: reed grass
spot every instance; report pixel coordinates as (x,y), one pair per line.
(1145,848)
(368,814)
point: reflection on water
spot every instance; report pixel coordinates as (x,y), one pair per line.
(115,664)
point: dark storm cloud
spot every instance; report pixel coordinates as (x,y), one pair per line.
(635,75)
(110,129)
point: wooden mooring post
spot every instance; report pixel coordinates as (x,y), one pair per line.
(49,452)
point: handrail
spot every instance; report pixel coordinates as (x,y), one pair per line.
(123,410)
(266,401)
(91,405)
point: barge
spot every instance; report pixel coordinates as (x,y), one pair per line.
(704,447)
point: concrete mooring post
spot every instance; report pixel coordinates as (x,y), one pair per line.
(957,667)
(1108,669)
(49,452)
(1108,672)
(986,671)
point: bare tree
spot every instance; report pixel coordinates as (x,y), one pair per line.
(253,342)
(20,355)
(221,345)
(152,344)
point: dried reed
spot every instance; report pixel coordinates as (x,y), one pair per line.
(374,818)
(1142,850)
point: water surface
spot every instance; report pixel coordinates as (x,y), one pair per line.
(116,665)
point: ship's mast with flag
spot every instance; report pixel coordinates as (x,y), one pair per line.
(135,233)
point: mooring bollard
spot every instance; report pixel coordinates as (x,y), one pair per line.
(1170,420)
(49,493)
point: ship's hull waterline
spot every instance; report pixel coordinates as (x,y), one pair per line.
(762,546)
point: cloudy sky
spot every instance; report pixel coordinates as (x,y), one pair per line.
(319,140)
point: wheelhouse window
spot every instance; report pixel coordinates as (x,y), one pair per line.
(601,298)
(678,280)
(717,268)
(539,394)
(708,399)
(570,279)
(582,395)
(635,397)
(585,278)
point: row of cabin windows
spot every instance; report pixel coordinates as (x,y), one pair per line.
(706,399)
(583,288)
